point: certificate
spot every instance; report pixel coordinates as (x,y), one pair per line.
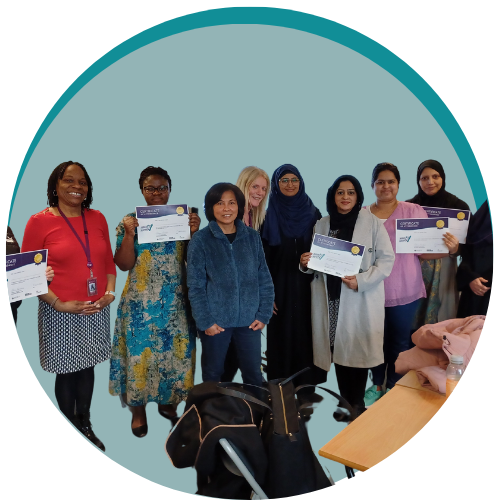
(458,220)
(163,223)
(421,235)
(26,274)
(334,256)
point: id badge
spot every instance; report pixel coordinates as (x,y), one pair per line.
(91,286)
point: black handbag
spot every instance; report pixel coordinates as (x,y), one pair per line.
(293,468)
(266,425)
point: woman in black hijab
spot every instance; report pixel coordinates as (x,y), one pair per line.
(475,273)
(286,235)
(439,274)
(353,306)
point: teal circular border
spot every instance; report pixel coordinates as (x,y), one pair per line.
(293,20)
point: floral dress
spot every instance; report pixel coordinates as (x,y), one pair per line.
(153,353)
(428,309)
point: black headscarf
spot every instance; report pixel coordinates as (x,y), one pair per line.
(480,229)
(344,223)
(295,216)
(442,199)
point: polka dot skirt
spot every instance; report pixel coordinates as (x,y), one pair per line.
(69,342)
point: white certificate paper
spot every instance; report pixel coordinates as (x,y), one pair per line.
(421,235)
(163,223)
(458,220)
(334,256)
(26,274)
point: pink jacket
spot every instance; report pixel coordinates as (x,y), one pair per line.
(434,346)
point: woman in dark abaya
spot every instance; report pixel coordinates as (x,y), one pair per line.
(475,273)
(439,274)
(286,235)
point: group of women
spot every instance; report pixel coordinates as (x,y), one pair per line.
(248,268)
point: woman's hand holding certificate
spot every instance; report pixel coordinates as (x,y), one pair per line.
(335,257)
(163,223)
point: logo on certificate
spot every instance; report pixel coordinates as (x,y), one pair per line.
(38,258)
(440,224)
(355,250)
(460,216)
(179,210)
(318,256)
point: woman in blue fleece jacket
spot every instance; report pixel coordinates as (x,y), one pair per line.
(230,288)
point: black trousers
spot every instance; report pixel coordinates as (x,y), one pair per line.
(74,391)
(14,307)
(352,385)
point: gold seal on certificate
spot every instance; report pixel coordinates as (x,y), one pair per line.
(440,224)
(335,257)
(26,274)
(180,210)
(458,220)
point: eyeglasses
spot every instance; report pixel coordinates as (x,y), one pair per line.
(294,181)
(151,189)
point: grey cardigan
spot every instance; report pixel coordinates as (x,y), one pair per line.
(359,338)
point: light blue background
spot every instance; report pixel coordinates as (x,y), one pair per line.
(204,104)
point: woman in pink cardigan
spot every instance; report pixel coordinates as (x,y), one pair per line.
(405,286)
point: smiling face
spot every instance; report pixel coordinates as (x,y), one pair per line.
(257,191)
(72,188)
(345,197)
(289,184)
(226,210)
(386,186)
(156,190)
(430,181)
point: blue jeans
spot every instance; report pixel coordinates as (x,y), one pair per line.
(248,350)
(397,339)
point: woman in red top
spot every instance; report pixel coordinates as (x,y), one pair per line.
(73,317)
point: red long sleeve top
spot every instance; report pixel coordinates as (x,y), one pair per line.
(67,257)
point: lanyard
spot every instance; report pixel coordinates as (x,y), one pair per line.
(86,247)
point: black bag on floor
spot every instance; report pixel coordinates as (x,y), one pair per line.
(194,441)
(293,467)
(269,431)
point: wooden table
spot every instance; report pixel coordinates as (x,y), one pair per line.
(386,425)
